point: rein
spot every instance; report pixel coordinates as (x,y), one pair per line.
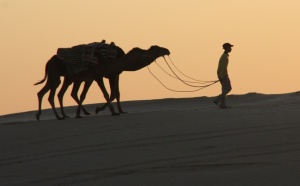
(205,84)
(186,75)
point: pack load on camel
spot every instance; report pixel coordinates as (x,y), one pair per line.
(82,57)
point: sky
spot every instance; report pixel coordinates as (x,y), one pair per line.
(264,59)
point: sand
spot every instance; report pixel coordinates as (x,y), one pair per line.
(176,142)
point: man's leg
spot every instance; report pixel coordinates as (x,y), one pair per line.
(218,99)
(226,88)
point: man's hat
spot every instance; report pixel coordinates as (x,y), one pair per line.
(227,45)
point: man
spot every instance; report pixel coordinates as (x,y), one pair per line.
(223,76)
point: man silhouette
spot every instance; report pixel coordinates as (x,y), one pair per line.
(223,76)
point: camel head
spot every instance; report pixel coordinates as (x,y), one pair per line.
(137,58)
(158,51)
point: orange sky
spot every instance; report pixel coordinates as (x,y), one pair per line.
(266,35)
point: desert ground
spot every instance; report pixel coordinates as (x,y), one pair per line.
(165,142)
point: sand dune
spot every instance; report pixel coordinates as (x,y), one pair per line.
(160,142)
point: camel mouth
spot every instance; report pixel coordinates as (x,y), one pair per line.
(165,52)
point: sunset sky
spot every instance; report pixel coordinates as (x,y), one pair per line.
(264,59)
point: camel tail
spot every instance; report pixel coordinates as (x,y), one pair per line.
(43,80)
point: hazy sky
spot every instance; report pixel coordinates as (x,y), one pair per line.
(264,59)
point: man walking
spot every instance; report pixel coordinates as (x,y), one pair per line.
(223,76)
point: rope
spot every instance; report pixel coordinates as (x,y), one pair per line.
(170,88)
(183,81)
(186,75)
(196,82)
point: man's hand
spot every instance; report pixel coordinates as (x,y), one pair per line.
(221,79)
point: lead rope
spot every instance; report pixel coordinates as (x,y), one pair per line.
(170,88)
(180,79)
(210,82)
(196,82)
(186,75)
(198,87)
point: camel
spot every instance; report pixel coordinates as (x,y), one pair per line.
(113,82)
(134,60)
(55,68)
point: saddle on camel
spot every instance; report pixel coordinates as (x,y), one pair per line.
(82,57)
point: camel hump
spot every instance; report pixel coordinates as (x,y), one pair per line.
(136,49)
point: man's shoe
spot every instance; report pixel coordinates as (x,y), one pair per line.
(225,107)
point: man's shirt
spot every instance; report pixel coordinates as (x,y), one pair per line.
(222,68)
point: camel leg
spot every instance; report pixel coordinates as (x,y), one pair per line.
(40,95)
(106,96)
(74,95)
(53,81)
(54,84)
(117,94)
(112,94)
(60,95)
(86,87)
(99,109)
(51,101)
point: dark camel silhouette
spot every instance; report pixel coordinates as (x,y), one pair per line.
(55,68)
(113,82)
(132,61)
